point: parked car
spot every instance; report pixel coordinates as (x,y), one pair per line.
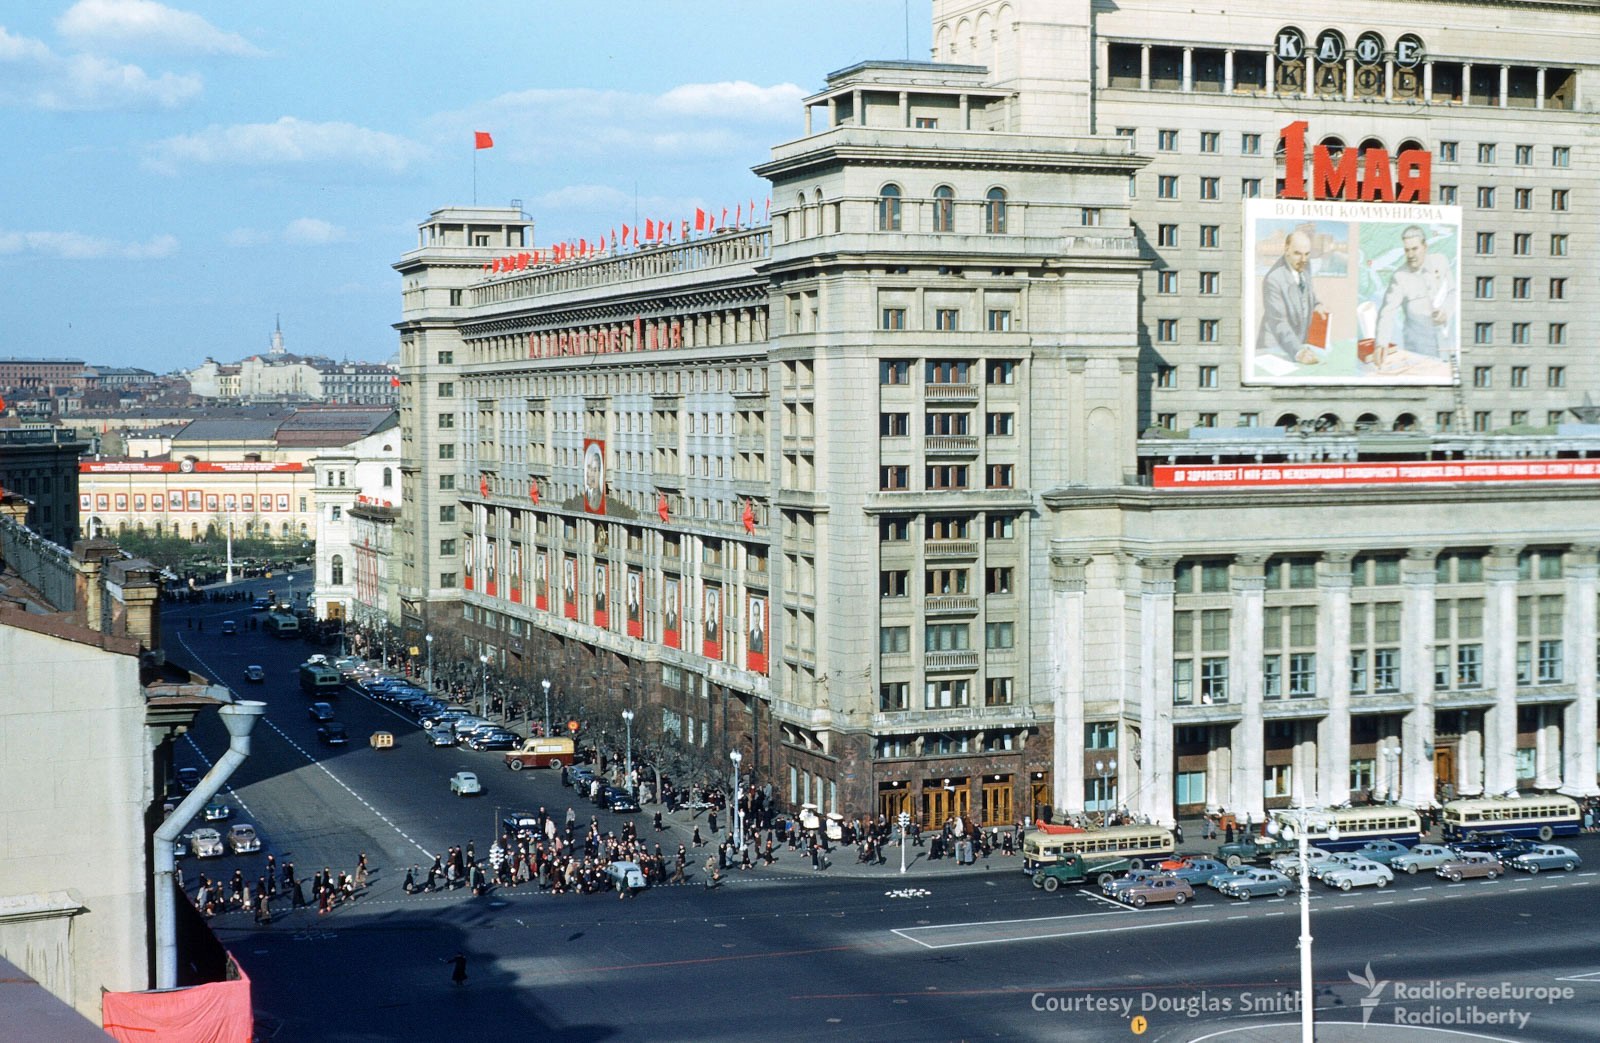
(349,665)
(1117,887)
(465,784)
(496,740)
(207,843)
(1546,856)
(1195,869)
(187,779)
(619,800)
(229,627)
(441,735)
(1158,889)
(1501,845)
(1336,860)
(433,720)
(332,734)
(1384,852)
(242,838)
(1470,864)
(626,877)
(320,712)
(1073,868)
(1250,883)
(216,811)
(254,674)
(1422,856)
(579,776)
(1363,872)
(260,605)
(1289,865)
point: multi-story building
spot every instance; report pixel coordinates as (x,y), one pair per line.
(985,477)
(358,383)
(364,473)
(41,464)
(46,375)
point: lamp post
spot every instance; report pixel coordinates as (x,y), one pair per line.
(627,719)
(1294,824)
(905,820)
(428,640)
(546,684)
(736,757)
(483,698)
(1105,771)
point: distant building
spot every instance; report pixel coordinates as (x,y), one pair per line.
(365,473)
(279,376)
(42,374)
(41,465)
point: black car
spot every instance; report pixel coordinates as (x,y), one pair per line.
(320,712)
(616,799)
(494,741)
(1501,845)
(188,779)
(332,734)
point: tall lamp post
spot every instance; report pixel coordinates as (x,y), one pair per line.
(546,684)
(1294,824)
(1105,771)
(736,757)
(627,780)
(428,640)
(483,698)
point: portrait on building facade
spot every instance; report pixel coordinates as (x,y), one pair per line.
(1350,293)
(594,476)
(671,611)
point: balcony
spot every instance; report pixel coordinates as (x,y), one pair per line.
(950,662)
(935,550)
(951,605)
(950,392)
(951,445)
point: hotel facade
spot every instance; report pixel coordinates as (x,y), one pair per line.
(981,480)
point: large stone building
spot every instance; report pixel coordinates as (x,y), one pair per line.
(364,474)
(985,478)
(41,464)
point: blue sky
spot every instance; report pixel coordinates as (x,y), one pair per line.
(178,175)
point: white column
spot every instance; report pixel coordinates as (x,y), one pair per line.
(1505,84)
(1578,724)
(1350,78)
(1144,67)
(905,109)
(1067,658)
(1272,74)
(1466,83)
(1500,670)
(1469,772)
(1388,79)
(1333,676)
(1188,69)
(1248,582)
(1102,76)
(1416,635)
(1427,82)
(1154,797)
(1547,750)
(1538,101)
(1227,72)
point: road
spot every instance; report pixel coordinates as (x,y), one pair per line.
(776,954)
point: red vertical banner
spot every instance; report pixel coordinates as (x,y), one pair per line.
(635,603)
(602,595)
(491,555)
(672,613)
(466,561)
(755,649)
(711,621)
(569,586)
(541,580)
(514,571)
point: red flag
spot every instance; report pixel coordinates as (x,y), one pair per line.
(724,221)
(661,507)
(625,231)
(749,517)
(394,382)
(483,486)
(649,229)
(738,215)
(482,139)
(699,220)
(583,247)
(685,229)
(769,206)
(533,490)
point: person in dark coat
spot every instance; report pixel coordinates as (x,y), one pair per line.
(458,973)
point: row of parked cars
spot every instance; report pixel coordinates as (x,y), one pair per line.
(1372,865)
(442,723)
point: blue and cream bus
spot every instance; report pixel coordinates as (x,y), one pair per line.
(1541,817)
(1356,826)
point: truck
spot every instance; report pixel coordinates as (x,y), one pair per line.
(540,753)
(1255,849)
(1073,868)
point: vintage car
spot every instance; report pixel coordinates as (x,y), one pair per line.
(242,838)
(1158,889)
(626,877)
(1250,883)
(465,784)
(207,843)
(1470,864)
(1546,856)
(216,811)
(1422,856)
(1361,872)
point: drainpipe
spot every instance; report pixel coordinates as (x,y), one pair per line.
(239,718)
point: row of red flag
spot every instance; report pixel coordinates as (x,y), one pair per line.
(650,233)
(748,517)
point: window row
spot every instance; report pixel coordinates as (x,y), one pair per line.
(946,637)
(896,583)
(948,371)
(890,215)
(1485,243)
(1489,151)
(1488,197)
(946,693)
(1519,376)
(947,320)
(996,526)
(897,477)
(898,425)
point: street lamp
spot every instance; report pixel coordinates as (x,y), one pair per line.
(1105,771)
(1294,824)
(428,638)
(627,719)
(546,684)
(483,700)
(905,820)
(736,757)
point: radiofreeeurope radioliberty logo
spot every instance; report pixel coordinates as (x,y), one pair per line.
(1454,1003)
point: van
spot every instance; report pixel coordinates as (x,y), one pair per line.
(540,753)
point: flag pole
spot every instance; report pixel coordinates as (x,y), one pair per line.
(474,175)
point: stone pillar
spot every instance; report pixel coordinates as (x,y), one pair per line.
(966,112)
(1388,79)
(1500,670)
(1578,720)
(1188,69)
(905,109)
(1547,750)
(1154,796)
(1350,78)
(1333,676)
(1505,84)
(1416,637)
(1538,86)
(1427,82)
(1249,584)
(1144,67)
(1469,765)
(859,114)
(1272,74)
(1466,83)
(1068,581)
(1227,71)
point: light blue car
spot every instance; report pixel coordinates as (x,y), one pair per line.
(1546,856)
(1420,857)
(1249,883)
(1196,871)
(1383,852)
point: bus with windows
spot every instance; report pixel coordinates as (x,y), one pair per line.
(1140,845)
(1541,817)
(1349,828)
(320,680)
(281,624)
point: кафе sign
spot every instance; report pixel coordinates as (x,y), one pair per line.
(1324,62)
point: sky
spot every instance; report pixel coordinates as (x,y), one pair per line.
(180,177)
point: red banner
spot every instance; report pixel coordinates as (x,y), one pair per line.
(635,604)
(569,587)
(602,596)
(711,617)
(185,467)
(541,581)
(516,574)
(672,621)
(1422,472)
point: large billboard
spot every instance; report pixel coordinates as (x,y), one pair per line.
(1350,293)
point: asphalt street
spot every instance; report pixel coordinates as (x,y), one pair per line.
(784,953)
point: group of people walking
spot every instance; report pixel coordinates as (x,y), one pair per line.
(325,890)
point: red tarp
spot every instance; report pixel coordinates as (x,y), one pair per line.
(214,1013)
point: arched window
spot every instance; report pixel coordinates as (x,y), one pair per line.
(1405,422)
(889,208)
(944,209)
(285,530)
(800,208)
(336,570)
(1288,420)
(994,212)
(388,477)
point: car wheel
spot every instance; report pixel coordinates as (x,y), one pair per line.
(1546,834)
(1344,885)
(1454,878)
(1282,891)
(1179,898)
(1104,880)
(1412,868)
(1051,883)
(555,764)
(1570,866)
(1135,863)
(1383,882)
(1491,874)
(515,765)
(1533,869)
(1138,901)
(1038,880)
(1234,861)
(1243,896)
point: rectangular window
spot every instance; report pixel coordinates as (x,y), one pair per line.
(894,371)
(1000,372)
(1558,198)
(997,691)
(1100,735)
(1521,288)
(1167,282)
(447,358)
(1519,332)
(997,579)
(927,123)
(1486,197)
(1558,289)
(1166,235)
(1000,424)
(1272,677)
(945,476)
(893,696)
(1524,155)
(1166,376)
(1000,476)
(1519,376)
(1483,288)
(447,420)
(946,637)
(447,547)
(1167,140)
(894,530)
(893,319)
(1208,376)
(1302,674)
(1214,680)
(1386,669)
(1166,331)
(1209,140)
(1209,237)
(1183,681)
(894,640)
(1250,188)
(1522,244)
(1485,241)
(1000,635)
(946,319)
(1483,333)
(1561,156)
(1210,282)
(1482,377)
(1250,144)
(1485,153)
(447,481)
(999,320)
(1558,333)
(894,425)
(1558,244)
(1167,421)
(1447,195)
(447,512)
(1556,377)
(1000,526)
(1167,186)
(893,583)
(447,390)
(1209,187)
(894,477)
(1089,216)
(1523,199)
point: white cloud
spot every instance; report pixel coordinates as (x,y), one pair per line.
(146,25)
(302,231)
(736,100)
(75,246)
(285,142)
(34,76)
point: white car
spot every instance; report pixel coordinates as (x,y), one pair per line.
(207,843)
(1363,872)
(1422,856)
(1337,860)
(465,784)
(1289,865)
